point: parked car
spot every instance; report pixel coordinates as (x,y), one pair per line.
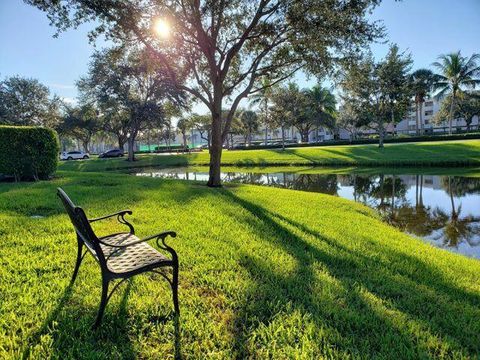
(111,153)
(74,155)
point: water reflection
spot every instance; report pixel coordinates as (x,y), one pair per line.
(443,210)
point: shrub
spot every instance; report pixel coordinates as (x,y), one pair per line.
(28,152)
(160,149)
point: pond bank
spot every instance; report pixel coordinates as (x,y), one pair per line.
(439,205)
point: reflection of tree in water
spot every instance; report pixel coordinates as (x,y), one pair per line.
(460,186)
(419,220)
(415,218)
(326,184)
(387,191)
(452,229)
(379,191)
(387,194)
(361,186)
(458,228)
(244,178)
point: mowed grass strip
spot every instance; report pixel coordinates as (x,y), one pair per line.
(446,153)
(265,273)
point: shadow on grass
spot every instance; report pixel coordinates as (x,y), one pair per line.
(89,191)
(72,337)
(396,306)
(71,332)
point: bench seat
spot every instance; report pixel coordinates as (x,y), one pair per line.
(130,258)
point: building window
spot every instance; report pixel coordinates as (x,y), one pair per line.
(428,103)
(428,112)
(427,122)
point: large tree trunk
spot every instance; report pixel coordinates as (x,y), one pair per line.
(215,149)
(148,140)
(121,143)
(131,151)
(381,136)
(283,137)
(304,135)
(184,140)
(266,135)
(85,145)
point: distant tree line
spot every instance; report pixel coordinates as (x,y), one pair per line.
(376,94)
(127,94)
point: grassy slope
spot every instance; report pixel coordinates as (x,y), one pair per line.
(264,273)
(448,153)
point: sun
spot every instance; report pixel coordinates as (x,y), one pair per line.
(162,28)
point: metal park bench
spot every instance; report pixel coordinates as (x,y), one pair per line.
(120,255)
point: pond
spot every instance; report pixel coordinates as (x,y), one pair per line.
(444,210)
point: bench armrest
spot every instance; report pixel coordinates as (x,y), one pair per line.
(118,213)
(120,217)
(158,236)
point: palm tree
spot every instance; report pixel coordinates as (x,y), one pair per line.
(456,72)
(262,99)
(323,106)
(249,125)
(421,82)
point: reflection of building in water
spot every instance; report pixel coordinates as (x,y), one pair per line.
(429,181)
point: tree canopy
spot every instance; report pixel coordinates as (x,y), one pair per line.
(219,50)
(81,122)
(378,92)
(132,81)
(25,101)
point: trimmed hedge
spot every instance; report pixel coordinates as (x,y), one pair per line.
(28,152)
(388,140)
(159,149)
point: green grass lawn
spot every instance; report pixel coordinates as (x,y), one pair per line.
(446,153)
(265,273)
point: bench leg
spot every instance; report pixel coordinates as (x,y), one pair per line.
(175,289)
(103,303)
(79,261)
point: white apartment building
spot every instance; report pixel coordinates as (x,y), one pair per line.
(429,109)
(273,135)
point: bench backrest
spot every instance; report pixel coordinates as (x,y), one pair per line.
(82,225)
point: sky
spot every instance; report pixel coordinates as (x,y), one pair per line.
(425,28)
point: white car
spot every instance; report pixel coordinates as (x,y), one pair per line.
(74,155)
